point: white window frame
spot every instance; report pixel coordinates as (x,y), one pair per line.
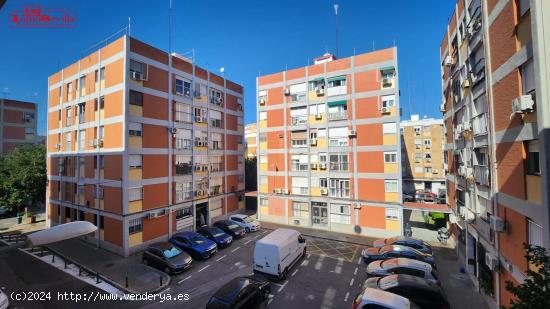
(391,155)
(135,194)
(391,186)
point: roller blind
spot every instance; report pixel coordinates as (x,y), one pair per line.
(297,88)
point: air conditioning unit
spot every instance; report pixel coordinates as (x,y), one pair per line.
(352,133)
(497,224)
(313,142)
(287,91)
(356,206)
(219,100)
(435,171)
(491,261)
(285,191)
(174,131)
(57,146)
(385,110)
(93,143)
(323,191)
(523,104)
(320,91)
(322,166)
(467,126)
(100,143)
(448,61)
(137,76)
(277,191)
(465,83)
(387,81)
(152,215)
(262,101)
(313,166)
(459,128)
(318,116)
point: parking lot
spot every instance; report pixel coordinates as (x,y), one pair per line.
(335,266)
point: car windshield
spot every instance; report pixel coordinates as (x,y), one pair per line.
(387,282)
(198,240)
(172,252)
(249,219)
(390,240)
(216,232)
(232,225)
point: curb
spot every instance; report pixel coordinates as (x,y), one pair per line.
(324,238)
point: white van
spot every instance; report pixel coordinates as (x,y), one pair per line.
(277,252)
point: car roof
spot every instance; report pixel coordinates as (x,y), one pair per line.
(413,281)
(278,236)
(231,289)
(162,245)
(398,248)
(382,297)
(238,216)
(404,262)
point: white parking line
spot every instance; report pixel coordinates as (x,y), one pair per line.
(179,282)
(205,267)
(217,260)
(235,249)
(294,273)
(346,298)
(246,242)
(282,286)
(351,282)
(359,260)
(269,301)
(355,271)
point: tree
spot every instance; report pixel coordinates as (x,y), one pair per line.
(23,177)
(251,174)
(534,292)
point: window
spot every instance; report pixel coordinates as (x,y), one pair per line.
(263,180)
(300,209)
(183,113)
(102,76)
(339,187)
(417,130)
(527,71)
(298,92)
(134,161)
(102,103)
(262,96)
(69,91)
(300,185)
(427,156)
(336,81)
(390,157)
(135,129)
(390,186)
(183,139)
(388,101)
(200,115)
(427,169)
(184,213)
(339,162)
(29,132)
(101,162)
(300,162)
(534,233)
(264,201)
(298,115)
(138,70)
(418,142)
(135,194)
(392,213)
(533,163)
(340,214)
(418,169)
(389,128)
(184,191)
(338,136)
(136,98)
(215,118)
(479,117)
(298,138)
(81,112)
(82,139)
(427,143)
(135,225)
(82,86)
(183,165)
(183,87)
(317,109)
(263,116)
(216,97)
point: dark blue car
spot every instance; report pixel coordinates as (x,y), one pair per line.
(215,234)
(196,245)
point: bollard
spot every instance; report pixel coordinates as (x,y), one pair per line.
(97,277)
(160,280)
(126,281)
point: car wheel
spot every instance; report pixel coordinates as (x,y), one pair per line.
(305,252)
(247,230)
(266,293)
(285,273)
(167,270)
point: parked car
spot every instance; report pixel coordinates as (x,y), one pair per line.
(4,302)
(408,197)
(394,251)
(442,197)
(375,298)
(422,292)
(215,234)
(248,223)
(167,257)
(198,246)
(230,227)
(241,292)
(425,197)
(277,252)
(402,266)
(415,243)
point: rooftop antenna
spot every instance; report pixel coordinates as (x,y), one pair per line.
(336,14)
(372,45)
(129,22)
(170,29)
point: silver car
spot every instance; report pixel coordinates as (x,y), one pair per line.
(403,266)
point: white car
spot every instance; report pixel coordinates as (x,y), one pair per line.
(375,298)
(402,266)
(246,222)
(4,303)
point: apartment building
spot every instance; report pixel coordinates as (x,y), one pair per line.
(250,137)
(17,124)
(142,143)
(495,102)
(328,154)
(423,162)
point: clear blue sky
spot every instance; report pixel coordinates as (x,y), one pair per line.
(245,37)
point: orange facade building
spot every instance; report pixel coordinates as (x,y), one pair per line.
(142,144)
(17,124)
(328,148)
(495,102)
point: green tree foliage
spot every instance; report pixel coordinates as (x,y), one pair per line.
(251,174)
(534,292)
(23,177)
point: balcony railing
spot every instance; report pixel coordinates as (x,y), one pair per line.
(481,174)
(183,195)
(339,115)
(300,166)
(182,143)
(184,169)
(216,167)
(339,166)
(338,142)
(337,192)
(183,117)
(215,190)
(479,124)
(296,120)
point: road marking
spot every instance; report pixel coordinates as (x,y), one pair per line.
(246,242)
(205,267)
(359,260)
(269,301)
(235,249)
(355,271)
(351,282)
(179,282)
(164,291)
(282,286)
(294,273)
(304,262)
(217,260)
(257,236)
(346,298)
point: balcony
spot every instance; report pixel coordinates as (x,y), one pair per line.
(481,174)
(339,115)
(300,190)
(215,190)
(200,168)
(200,119)
(183,196)
(297,120)
(184,169)
(216,167)
(300,166)
(183,144)
(338,142)
(216,145)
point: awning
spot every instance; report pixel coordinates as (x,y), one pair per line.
(318,79)
(336,103)
(329,79)
(387,68)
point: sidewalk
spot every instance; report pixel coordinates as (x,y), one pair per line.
(460,291)
(141,278)
(354,239)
